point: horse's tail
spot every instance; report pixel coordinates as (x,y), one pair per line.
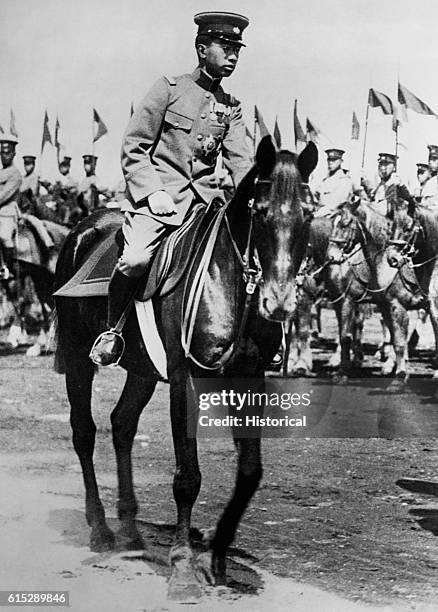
(54,343)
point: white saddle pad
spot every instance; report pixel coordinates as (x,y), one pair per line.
(151,337)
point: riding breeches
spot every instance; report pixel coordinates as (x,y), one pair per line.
(142,237)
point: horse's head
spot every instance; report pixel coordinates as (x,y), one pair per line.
(405,232)
(345,237)
(279,226)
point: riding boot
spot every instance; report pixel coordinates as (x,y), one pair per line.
(109,346)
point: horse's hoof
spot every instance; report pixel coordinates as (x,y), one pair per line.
(388,367)
(334,360)
(102,540)
(184,585)
(340,379)
(435,375)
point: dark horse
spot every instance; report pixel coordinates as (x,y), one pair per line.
(414,243)
(265,215)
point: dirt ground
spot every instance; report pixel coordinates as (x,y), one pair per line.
(329,529)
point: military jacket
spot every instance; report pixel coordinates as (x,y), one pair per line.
(67,181)
(30,182)
(91,187)
(429,192)
(335,189)
(174,138)
(379,199)
(10,181)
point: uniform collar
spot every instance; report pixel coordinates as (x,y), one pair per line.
(204,80)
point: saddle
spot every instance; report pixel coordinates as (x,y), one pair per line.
(166,269)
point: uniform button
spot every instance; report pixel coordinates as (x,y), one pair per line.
(207,95)
(200,136)
(203,116)
(194,158)
(176,123)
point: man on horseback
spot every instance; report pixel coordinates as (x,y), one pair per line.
(91,188)
(429,191)
(423,175)
(336,188)
(390,187)
(10,181)
(169,155)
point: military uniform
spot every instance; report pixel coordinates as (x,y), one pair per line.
(429,192)
(173,140)
(335,189)
(382,194)
(10,181)
(91,188)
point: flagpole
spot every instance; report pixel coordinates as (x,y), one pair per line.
(255,134)
(365,134)
(92,133)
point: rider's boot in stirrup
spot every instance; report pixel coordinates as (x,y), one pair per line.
(109,346)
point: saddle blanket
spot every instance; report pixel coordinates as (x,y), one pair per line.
(151,337)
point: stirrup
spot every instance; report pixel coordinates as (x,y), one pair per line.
(108,348)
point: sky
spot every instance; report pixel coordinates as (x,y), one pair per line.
(68,56)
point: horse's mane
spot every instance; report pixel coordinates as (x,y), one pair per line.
(375,224)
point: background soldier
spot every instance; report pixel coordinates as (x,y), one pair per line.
(169,155)
(429,192)
(91,188)
(65,192)
(390,188)
(336,188)
(10,181)
(423,175)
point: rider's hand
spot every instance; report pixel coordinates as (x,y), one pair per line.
(160,203)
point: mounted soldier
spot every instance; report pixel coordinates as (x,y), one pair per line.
(10,181)
(336,188)
(429,191)
(390,187)
(91,188)
(65,191)
(169,155)
(423,175)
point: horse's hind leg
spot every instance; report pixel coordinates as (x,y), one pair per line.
(79,378)
(124,418)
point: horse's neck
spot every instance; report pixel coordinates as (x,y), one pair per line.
(428,242)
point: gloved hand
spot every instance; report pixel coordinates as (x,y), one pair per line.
(160,203)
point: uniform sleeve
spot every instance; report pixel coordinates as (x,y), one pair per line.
(344,191)
(9,187)
(140,137)
(235,150)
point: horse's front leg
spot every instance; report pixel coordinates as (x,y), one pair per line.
(396,318)
(249,474)
(79,378)
(183,583)
(136,394)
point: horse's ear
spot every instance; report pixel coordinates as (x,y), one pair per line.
(354,203)
(307,161)
(266,156)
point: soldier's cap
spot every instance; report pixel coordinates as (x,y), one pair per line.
(9,138)
(387,158)
(66,160)
(225,26)
(29,158)
(89,158)
(422,166)
(334,153)
(433,150)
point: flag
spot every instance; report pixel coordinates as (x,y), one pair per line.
(312,131)
(99,128)
(277,134)
(377,99)
(260,122)
(1,130)
(299,134)
(132,109)
(355,127)
(46,132)
(57,143)
(12,128)
(408,100)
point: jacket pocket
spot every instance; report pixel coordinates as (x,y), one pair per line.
(177,121)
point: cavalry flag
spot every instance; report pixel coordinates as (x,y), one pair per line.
(312,131)
(46,132)
(248,134)
(1,130)
(377,99)
(260,122)
(12,127)
(99,128)
(57,143)
(408,100)
(132,109)
(299,134)
(277,134)
(355,127)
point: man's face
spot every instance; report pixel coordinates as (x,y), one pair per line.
(220,58)
(7,154)
(386,169)
(89,168)
(433,163)
(333,165)
(423,174)
(64,169)
(29,167)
